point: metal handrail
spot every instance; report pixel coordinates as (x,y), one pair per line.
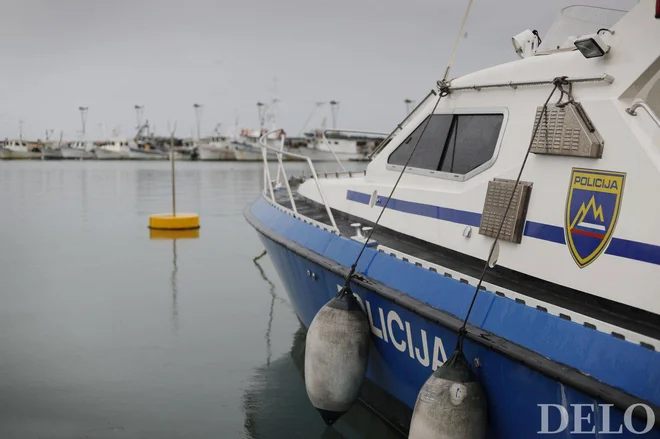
(349,173)
(641,104)
(515,84)
(280,168)
(334,130)
(373,133)
(268,184)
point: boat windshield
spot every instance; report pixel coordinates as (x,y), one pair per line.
(575,21)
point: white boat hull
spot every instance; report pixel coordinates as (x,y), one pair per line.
(249,155)
(8,154)
(179,156)
(214,153)
(252,153)
(104,154)
(52,154)
(137,154)
(75,153)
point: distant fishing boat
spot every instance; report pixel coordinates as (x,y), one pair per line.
(215,148)
(334,144)
(146,153)
(50,151)
(145,145)
(343,145)
(117,149)
(247,147)
(78,149)
(185,153)
(18,149)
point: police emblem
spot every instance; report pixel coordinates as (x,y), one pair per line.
(592,209)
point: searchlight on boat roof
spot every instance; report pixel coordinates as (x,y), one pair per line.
(592,46)
(526,43)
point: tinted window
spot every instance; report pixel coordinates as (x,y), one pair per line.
(429,151)
(455,143)
(471,142)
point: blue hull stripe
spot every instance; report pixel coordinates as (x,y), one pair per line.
(638,251)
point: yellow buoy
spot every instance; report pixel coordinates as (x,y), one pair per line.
(179,221)
(174,220)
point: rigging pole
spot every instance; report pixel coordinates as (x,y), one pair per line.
(198,117)
(139,112)
(334,109)
(83,119)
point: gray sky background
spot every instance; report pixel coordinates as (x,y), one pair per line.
(167,54)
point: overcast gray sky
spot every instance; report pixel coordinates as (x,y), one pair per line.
(167,54)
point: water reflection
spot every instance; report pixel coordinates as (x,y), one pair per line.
(174,319)
(105,333)
(174,235)
(271,290)
(276,404)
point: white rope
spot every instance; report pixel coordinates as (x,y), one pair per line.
(458,39)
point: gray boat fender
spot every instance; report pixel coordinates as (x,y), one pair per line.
(336,356)
(451,404)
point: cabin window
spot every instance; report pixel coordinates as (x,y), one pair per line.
(452,143)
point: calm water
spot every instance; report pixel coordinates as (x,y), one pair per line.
(105,333)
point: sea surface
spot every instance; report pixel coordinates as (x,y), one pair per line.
(108,333)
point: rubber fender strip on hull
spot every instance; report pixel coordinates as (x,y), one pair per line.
(552,369)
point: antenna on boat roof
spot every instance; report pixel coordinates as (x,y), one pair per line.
(334,109)
(458,39)
(83,119)
(198,118)
(409,105)
(261,111)
(139,112)
(317,105)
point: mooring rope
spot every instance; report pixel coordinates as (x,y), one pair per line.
(444,91)
(256,258)
(458,39)
(559,83)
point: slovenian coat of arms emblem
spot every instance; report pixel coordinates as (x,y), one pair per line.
(592,209)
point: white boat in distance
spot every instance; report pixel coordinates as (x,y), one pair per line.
(18,149)
(117,149)
(344,145)
(185,152)
(215,148)
(246,147)
(79,149)
(146,153)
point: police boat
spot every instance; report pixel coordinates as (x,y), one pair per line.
(506,226)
